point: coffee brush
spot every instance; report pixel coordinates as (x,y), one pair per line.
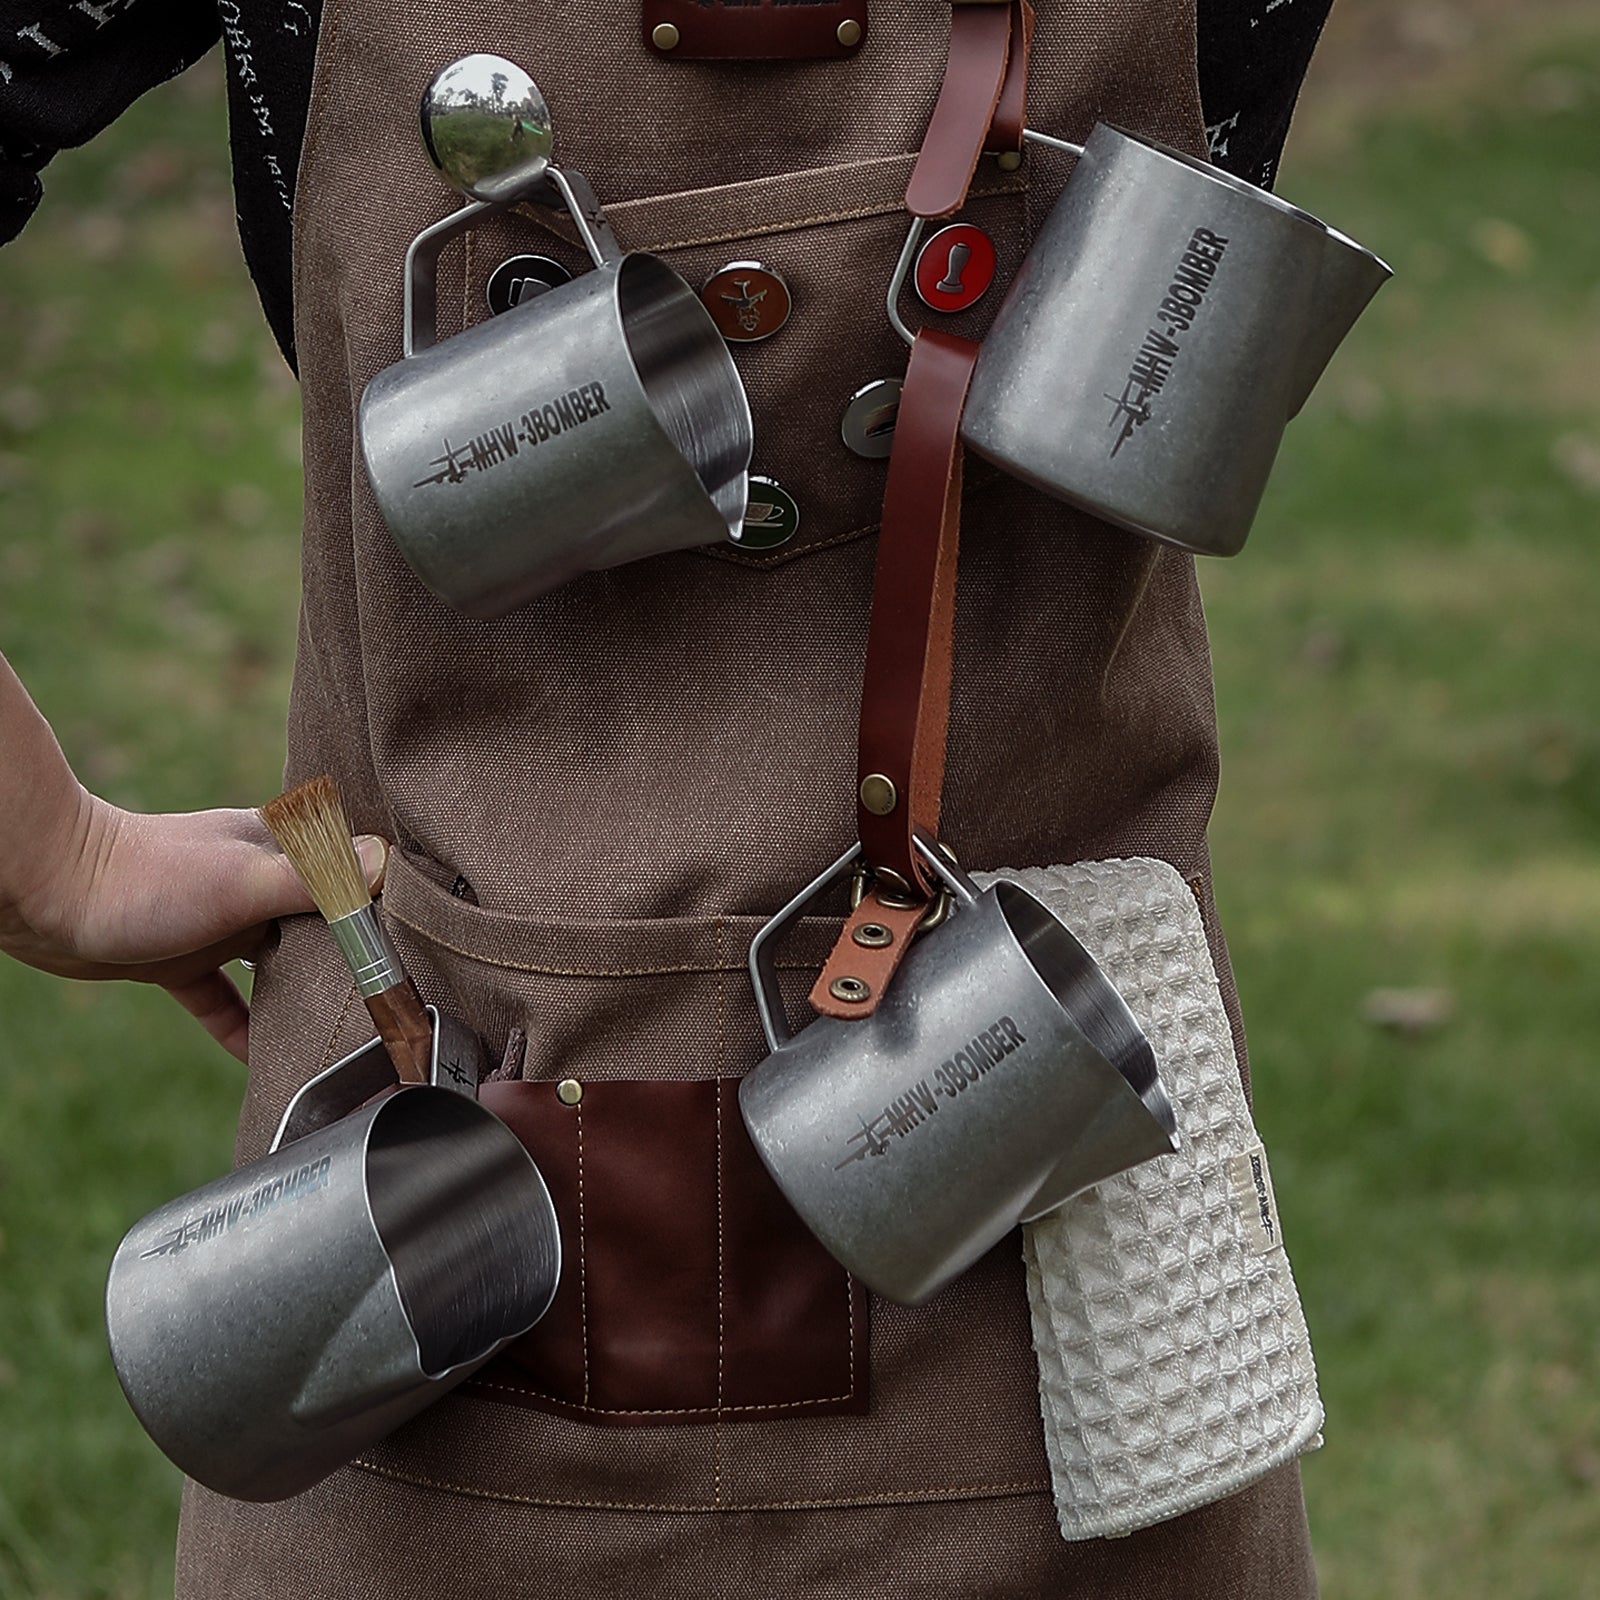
(312,830)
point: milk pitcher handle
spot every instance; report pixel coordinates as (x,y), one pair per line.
(569,191)
(763,948)
(1049,140)
(458,1062)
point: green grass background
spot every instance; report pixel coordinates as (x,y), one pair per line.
(1406,659)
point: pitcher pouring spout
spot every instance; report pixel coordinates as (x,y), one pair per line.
(1348,276)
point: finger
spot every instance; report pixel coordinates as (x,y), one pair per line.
(219,1008)
(267,885)
(373,854)
(173,973)
(207,882)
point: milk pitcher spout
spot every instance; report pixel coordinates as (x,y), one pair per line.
(1348,275)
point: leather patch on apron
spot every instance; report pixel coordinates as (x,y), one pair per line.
(690,1291)
(754,30)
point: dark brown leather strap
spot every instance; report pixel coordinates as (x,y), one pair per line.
(1011,114)
(753,30)
(905,701)
(980,46)
(905,695)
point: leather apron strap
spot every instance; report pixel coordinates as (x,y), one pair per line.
(980,105)
(905,701)
(1011,114)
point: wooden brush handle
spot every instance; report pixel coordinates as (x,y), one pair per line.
(407,1034)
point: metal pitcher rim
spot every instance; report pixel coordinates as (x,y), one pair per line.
(1243,187)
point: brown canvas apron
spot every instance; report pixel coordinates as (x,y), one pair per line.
(597,800)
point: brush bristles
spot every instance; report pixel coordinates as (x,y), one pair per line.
(311,829)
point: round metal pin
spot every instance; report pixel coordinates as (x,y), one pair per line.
(487,128)
(879,795)
(867,426)
(520,278)
(747,300)
(955,268)
(772,517)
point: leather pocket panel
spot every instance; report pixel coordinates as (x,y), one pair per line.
(690,1291)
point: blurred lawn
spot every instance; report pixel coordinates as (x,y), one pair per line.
(1406,661)
(149,556)
(1406,657)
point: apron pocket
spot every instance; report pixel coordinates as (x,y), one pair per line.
(833,234)
(690,1291)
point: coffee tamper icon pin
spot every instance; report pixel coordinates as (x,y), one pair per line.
(955,267)
(960,255)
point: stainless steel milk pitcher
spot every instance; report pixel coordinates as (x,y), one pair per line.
(1166,324)
(593,424)
(269,1326)
(1000,1075)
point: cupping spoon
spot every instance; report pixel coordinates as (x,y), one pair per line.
(487,128)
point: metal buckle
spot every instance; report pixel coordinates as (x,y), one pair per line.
(763,957)
(895,893)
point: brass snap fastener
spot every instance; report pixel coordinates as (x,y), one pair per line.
(848,33)
(873,935)
(851,990)
(569,1091)
(878,794)
(664,36)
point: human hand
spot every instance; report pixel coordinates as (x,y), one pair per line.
(163,899)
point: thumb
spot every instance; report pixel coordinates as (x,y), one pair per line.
(165,897)
(270,887)
(373,854)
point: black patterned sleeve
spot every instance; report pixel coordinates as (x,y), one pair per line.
(1253,56)
(69,67)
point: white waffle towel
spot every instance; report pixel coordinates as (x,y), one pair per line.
(1174,1363)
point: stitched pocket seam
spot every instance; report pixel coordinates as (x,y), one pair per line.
(529,1392)
(715,964)
(634,218)
(930,1496)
